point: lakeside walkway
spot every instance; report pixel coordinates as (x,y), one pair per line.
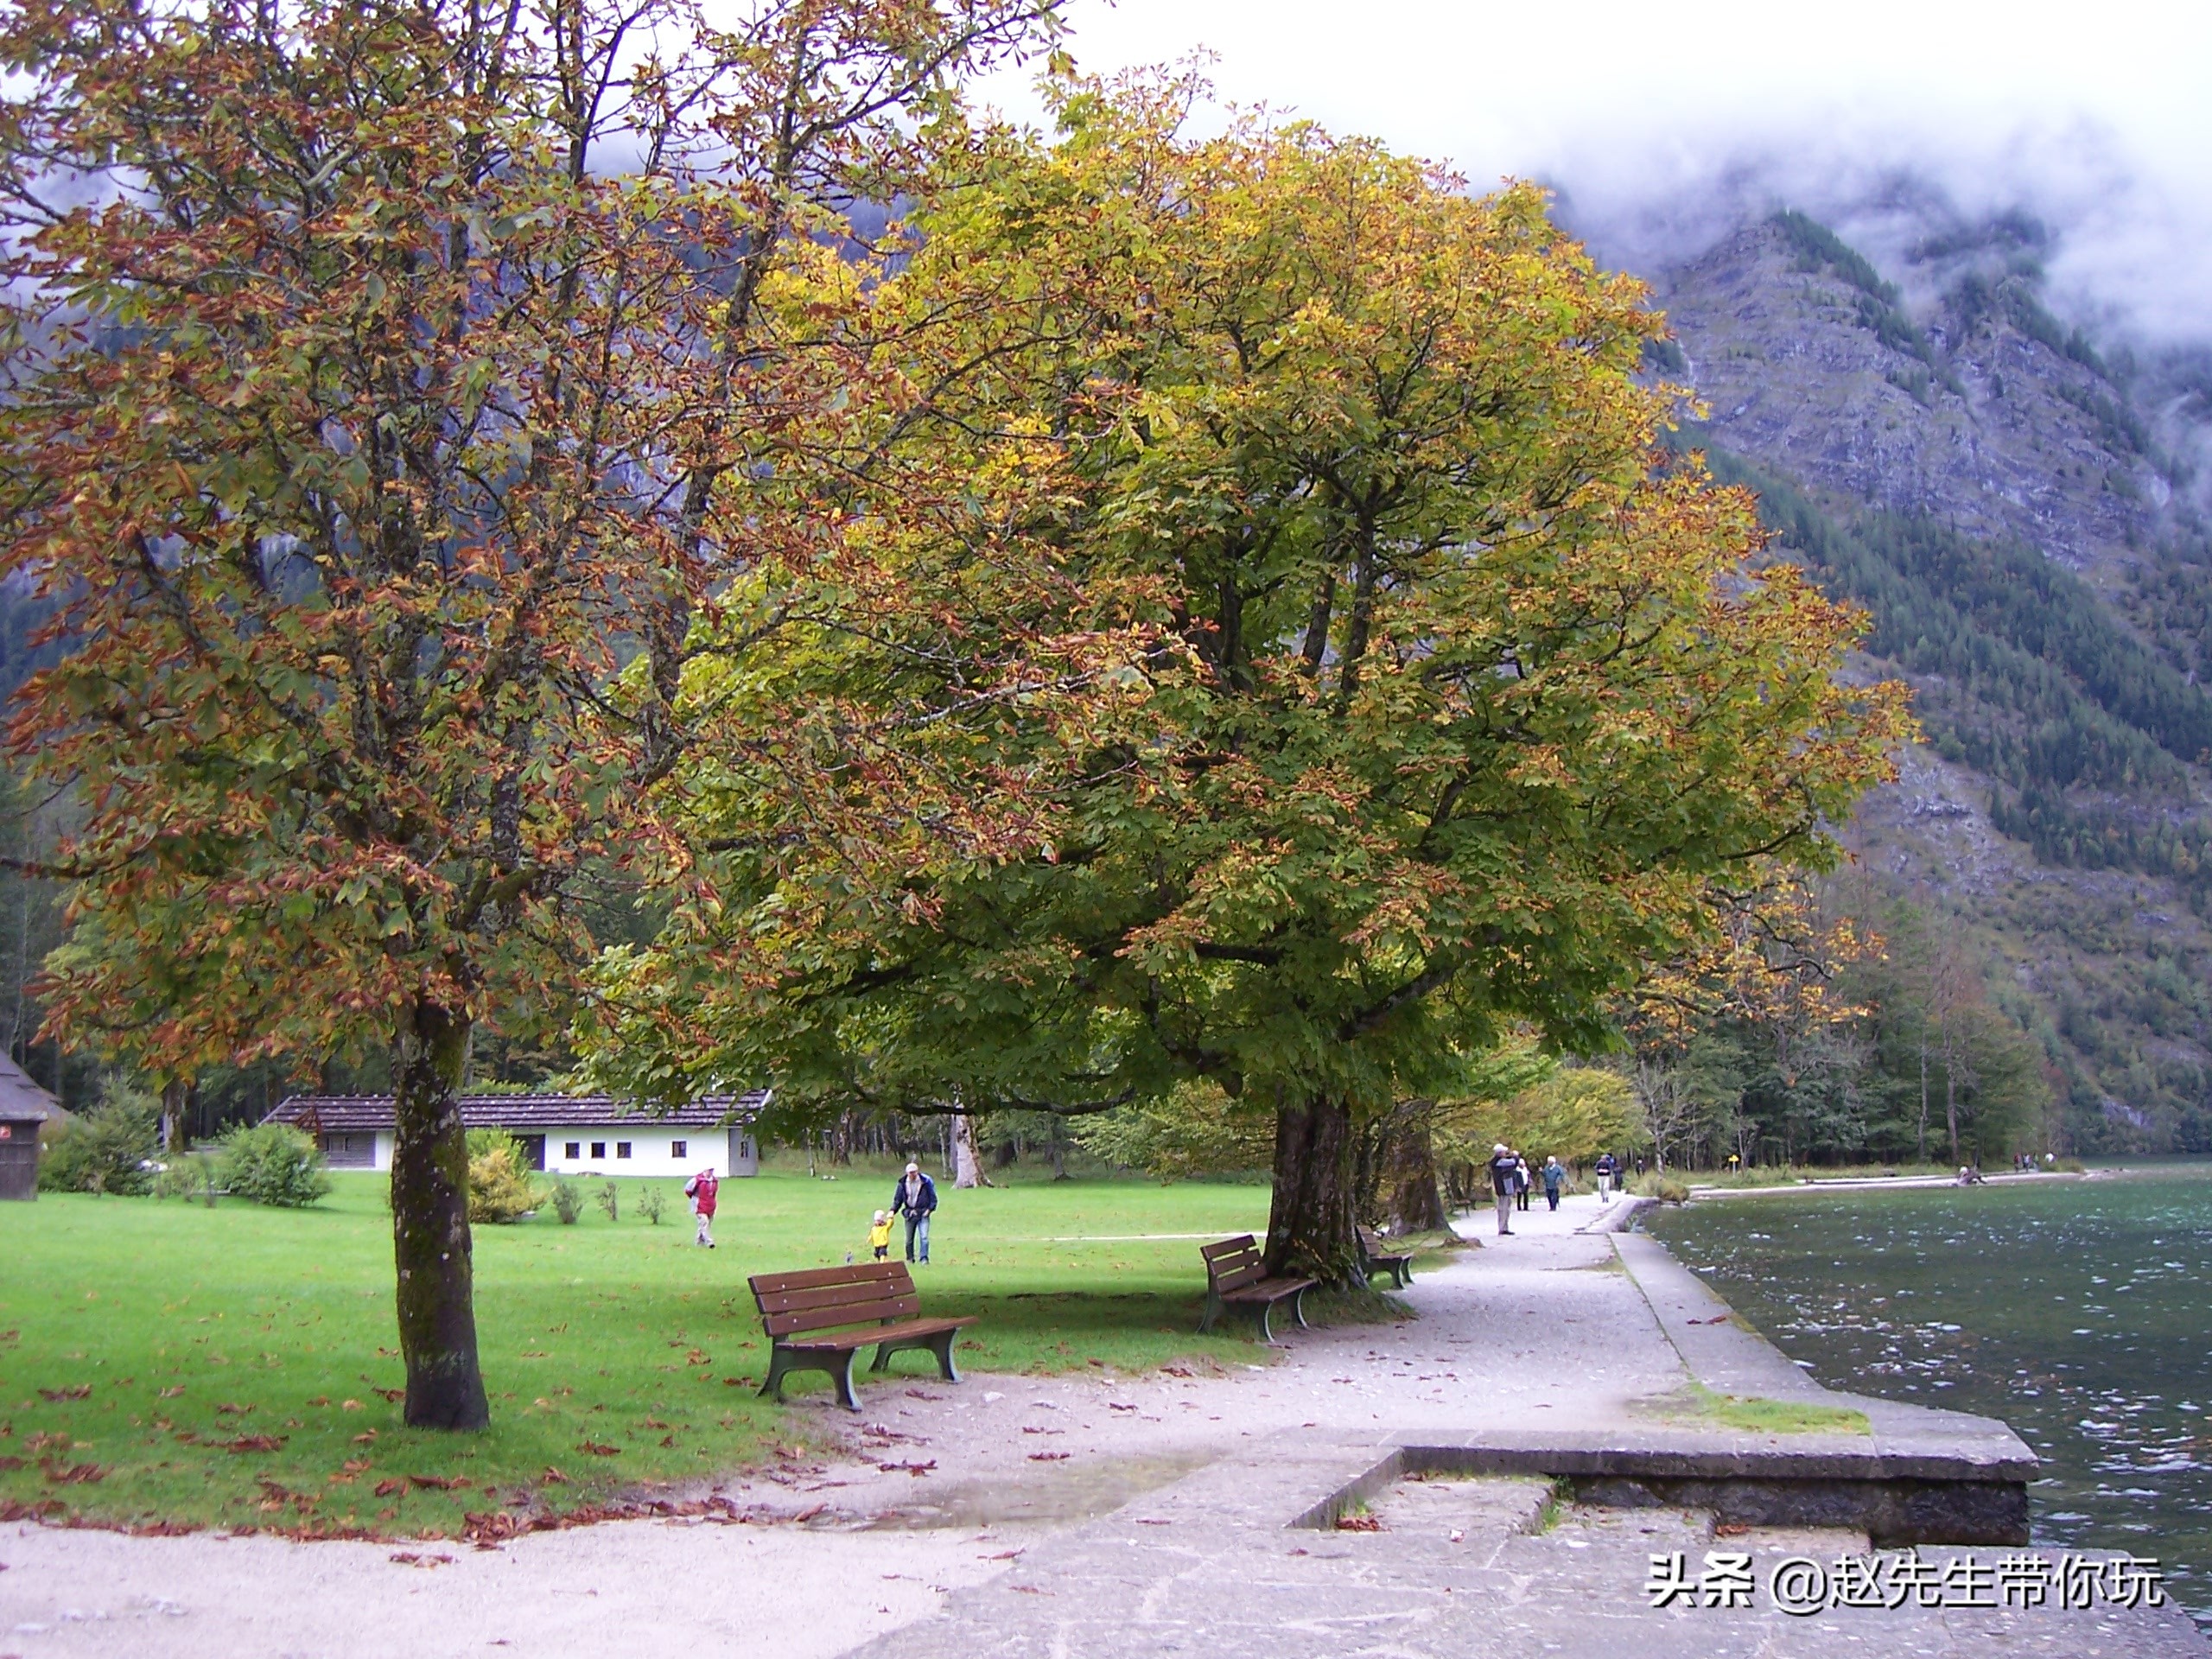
(1098,1515)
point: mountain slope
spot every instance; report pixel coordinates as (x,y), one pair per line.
(2016,510)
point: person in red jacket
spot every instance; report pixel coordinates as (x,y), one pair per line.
(700,1190)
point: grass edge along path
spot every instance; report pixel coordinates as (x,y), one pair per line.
(164,1366)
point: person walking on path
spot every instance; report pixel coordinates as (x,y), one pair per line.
(1608,1167)
(1502,1166)
(700,1190)
(915,1197)
(1521,1182)
(878,1235)
(1554,1176)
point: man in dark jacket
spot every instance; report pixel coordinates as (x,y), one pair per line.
(1609,1169)
(914,1197)
(1505,1170)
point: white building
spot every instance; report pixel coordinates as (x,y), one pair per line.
(563,1135)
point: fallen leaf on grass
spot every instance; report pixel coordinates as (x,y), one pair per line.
(388,1488)
(393,1394)
(72,1474)
(438,1483)
(694,1357)
(593,1448)
(172,1393)
(554,1477)
(350,1405)
(225,1408)
(250,1443)
(363,1440)
(7,1463)
(655,1422)
(55,1396)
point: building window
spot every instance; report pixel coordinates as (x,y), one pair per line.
(575,1150)
(679,1148)
(599,1148)
(621,1149)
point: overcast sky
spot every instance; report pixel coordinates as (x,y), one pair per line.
(2096,116)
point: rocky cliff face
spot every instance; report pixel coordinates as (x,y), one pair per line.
(1972,411)
(1949,437)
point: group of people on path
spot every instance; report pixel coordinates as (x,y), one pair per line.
(1511,1181)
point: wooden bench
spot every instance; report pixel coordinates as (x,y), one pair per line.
(819,1318)
(1237,1277)
(1374,1252)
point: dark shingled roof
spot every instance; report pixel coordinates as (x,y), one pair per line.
(22,1101)
(353,1113)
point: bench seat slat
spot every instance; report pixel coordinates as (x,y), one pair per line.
(1268,1290)
(837,1342)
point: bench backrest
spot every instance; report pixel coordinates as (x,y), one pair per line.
(1375,1244)
(1233,1263)
(820,1299)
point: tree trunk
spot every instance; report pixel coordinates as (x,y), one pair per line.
(176,1094)
(967,1162)
(429,1224)
(1409,1199)
(1310,1222)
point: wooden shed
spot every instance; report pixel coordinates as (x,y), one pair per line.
(23,1107)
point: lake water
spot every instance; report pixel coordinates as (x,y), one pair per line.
(2077,1311)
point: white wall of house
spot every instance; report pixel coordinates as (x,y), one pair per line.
(636,1148)
(653,1149)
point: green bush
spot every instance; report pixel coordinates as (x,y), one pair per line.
(191,1176)
(273,1163)
(568,1201)
(610,1199)
(111,1149)
(651,1204)
(500,1186)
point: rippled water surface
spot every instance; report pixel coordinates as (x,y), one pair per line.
(2080,1312)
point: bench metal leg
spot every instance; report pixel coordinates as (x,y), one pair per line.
(1207,1320)
(939,1345)
(773,1387)
(839,1371)
(1298,1310)
(842,1376)
(1266,1324)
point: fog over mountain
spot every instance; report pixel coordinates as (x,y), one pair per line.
(1664,133)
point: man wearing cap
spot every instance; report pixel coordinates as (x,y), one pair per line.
(1504,1168)
(914,1197)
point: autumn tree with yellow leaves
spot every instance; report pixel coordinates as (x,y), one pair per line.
(1319,672)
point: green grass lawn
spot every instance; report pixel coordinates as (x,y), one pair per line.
(164,1362)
